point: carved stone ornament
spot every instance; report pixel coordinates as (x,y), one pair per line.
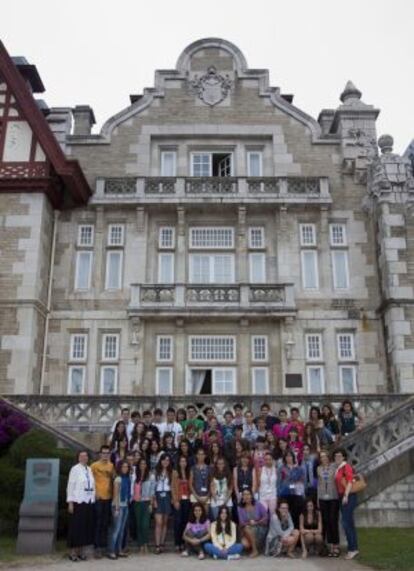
(211,88)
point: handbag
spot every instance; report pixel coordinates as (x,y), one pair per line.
(358,483)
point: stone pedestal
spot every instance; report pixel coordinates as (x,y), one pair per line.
(37,528)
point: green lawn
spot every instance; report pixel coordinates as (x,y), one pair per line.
(391,549)
(8,556)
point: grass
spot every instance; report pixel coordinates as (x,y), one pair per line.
(390,549)
(9,557)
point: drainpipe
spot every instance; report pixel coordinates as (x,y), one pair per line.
(49,301)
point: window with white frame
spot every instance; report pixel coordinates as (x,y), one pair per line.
(78,347)
(340,269)
(168,163)
(212,237)
(116,235)
(76,380)
(256,237)
(316,381)
(110,347)
(113,277)
(83,269)
(85,235)
(259,348)
(310,273)
(260,380)
(109,380)
(313,346)
(212,348)
(257,268)
(205,164)
(346,347)
(254,163)
(201,164)
(211,268)
(347,378)
(307,234)
(164,348)
(224,381)
(165,268)
(166,238)
(164,380)
(337,234)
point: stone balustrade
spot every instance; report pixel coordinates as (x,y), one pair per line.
(251,298)
(86,413)
(197,189)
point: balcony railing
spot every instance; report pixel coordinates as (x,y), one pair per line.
(202,298)
(231,189)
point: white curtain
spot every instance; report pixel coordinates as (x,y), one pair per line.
(197,380)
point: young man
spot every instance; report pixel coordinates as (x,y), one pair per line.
(238,415)
(269,418)
(149,425)
(295,422)
(125,417)
(250,432)
(103,472)
(172,426)
(192,419)
(227,428)
(281,430)
(157,418)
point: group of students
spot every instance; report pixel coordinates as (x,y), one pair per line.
(268,484)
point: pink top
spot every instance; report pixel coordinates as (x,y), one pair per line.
(281,430)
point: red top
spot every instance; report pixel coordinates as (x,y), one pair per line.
(346,472)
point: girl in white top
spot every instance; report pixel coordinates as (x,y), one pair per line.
(267,483)
(221,487)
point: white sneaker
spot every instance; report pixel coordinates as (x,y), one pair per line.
(233,557)
(184,553)
(351,554)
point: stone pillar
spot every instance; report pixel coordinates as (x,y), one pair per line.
(181,251)
(180,358)
(142,244)
(242,268)
(243,358)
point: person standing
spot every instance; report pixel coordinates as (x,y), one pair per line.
(181,499)
(200,479)
(267,483)
(244,476)
(172,426)
(292,485)
(103,472)
(144,490)
(221,487)
(328,503)
(126,419)
(162,503)
(348,501)
(120,506)
(80,497)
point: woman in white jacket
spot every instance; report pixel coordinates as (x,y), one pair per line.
(80,497)
(282,533)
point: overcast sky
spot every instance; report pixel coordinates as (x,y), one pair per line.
(97,52)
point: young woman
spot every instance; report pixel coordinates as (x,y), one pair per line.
(137,436)
(155,453)
(292,485)
(281,429)
(259,452)
(118,443)
(168,446)
(162,502)
(328,503)
(282,534)
(145,449)
(223,543)
(295,444)
(181,499)
(267,483)
(330,421)
(200,479)
(144,490)
(249,428)
(184,449)
(221,487)
(197,531)
(323,434)
(244,476)
(311,438)
(120,504)
(283,447)
(309,463)
(349,420)
(310,527)
(214,453)
(253,520)
(272,443)
(181,415)
(80,497)
(343,479)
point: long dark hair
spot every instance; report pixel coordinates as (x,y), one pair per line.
(179,470)
(192,518)
(164,440)
(117,438)
(305,511)
(227,525)
(135,435)
(159,469)
(142,476)
(347,401)
(311,438)
(315,409)
(226,473)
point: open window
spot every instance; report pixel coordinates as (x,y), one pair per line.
(211,381)
(212,164)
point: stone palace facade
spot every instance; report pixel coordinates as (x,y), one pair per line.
(211,239)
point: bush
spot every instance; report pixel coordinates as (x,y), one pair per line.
(33,444)
(12,425)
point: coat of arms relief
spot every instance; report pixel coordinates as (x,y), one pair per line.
(211,88)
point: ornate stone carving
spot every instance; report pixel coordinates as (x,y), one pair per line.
(211,185)
(275,294)
(265,185)
(157,294)
(212,294)
(304,186)
(124,185)
(211,88)
(160,185)
(389,172)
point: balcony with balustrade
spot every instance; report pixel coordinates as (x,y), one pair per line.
(182,190)
(236,300)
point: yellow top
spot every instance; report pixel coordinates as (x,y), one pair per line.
(223,540)
(104,473)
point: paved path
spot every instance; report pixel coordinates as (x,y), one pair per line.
(172,562)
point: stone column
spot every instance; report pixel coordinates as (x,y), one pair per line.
(181,251)
(242,267)
(179,358)
(243,359)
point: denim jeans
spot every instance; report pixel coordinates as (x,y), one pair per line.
(347,512)
(119,521)
(212,550)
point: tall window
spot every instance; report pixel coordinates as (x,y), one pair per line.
(254,163)
(166,238)
(78,354)
(164,348)
(164,380)
(166,268)
(339,256)
(110,363)
(315,369)
(309,257)
(257,264)
(256,237)
(346,350)
(116,235)
(224,381)
(313,347)
(316,380)
(212,268)
(212,348)
(168,163)
(109,380)
(114,257)
(259,348)
(260,380)
(207,164)
(84,256)
(347,362)
(110,347)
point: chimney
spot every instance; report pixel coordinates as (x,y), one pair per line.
(325,120)
(84,119)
